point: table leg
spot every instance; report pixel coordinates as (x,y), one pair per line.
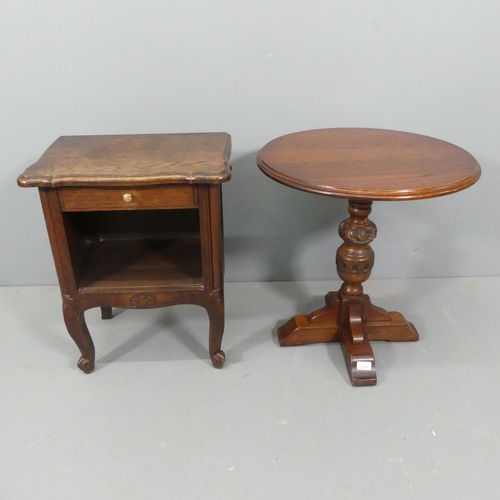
(215,310)
(77,328)
(349,316)
(106,312)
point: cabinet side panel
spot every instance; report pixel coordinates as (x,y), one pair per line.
(56,229)
(205,237)
(217,234)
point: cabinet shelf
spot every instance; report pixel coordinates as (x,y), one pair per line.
(141,264)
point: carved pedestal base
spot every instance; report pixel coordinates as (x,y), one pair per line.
(353,323)
(349,317)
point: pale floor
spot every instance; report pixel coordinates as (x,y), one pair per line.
(156,421)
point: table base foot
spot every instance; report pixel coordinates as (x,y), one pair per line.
(352,321)
(358,353)
(360,362)
(322,325)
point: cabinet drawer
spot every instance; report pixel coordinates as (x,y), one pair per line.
(88,199)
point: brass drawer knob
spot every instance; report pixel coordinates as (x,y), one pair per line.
(127,197)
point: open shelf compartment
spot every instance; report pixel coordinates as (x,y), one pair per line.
(143,249)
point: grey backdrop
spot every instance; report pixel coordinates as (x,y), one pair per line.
(259,69)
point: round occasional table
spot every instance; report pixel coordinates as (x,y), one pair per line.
(361,165)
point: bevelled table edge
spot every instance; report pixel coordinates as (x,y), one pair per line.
(180,177)
(379,195)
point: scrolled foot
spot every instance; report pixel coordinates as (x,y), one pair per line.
(358,354)
(218,359)
(361,369)
(86,365)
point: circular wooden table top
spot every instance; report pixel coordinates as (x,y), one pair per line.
(368,164)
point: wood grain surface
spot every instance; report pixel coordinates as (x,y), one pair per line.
(81,199)
(369,164)
(116,160)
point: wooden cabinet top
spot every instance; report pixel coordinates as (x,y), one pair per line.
(118,160)
(370,164)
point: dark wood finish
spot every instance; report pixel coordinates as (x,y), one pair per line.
(363,165)
(106,312)
(368,164)
(349,316)
(115,160)
(89,199)
(161,246)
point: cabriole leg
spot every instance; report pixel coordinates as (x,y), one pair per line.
(77,328)
(215,310)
